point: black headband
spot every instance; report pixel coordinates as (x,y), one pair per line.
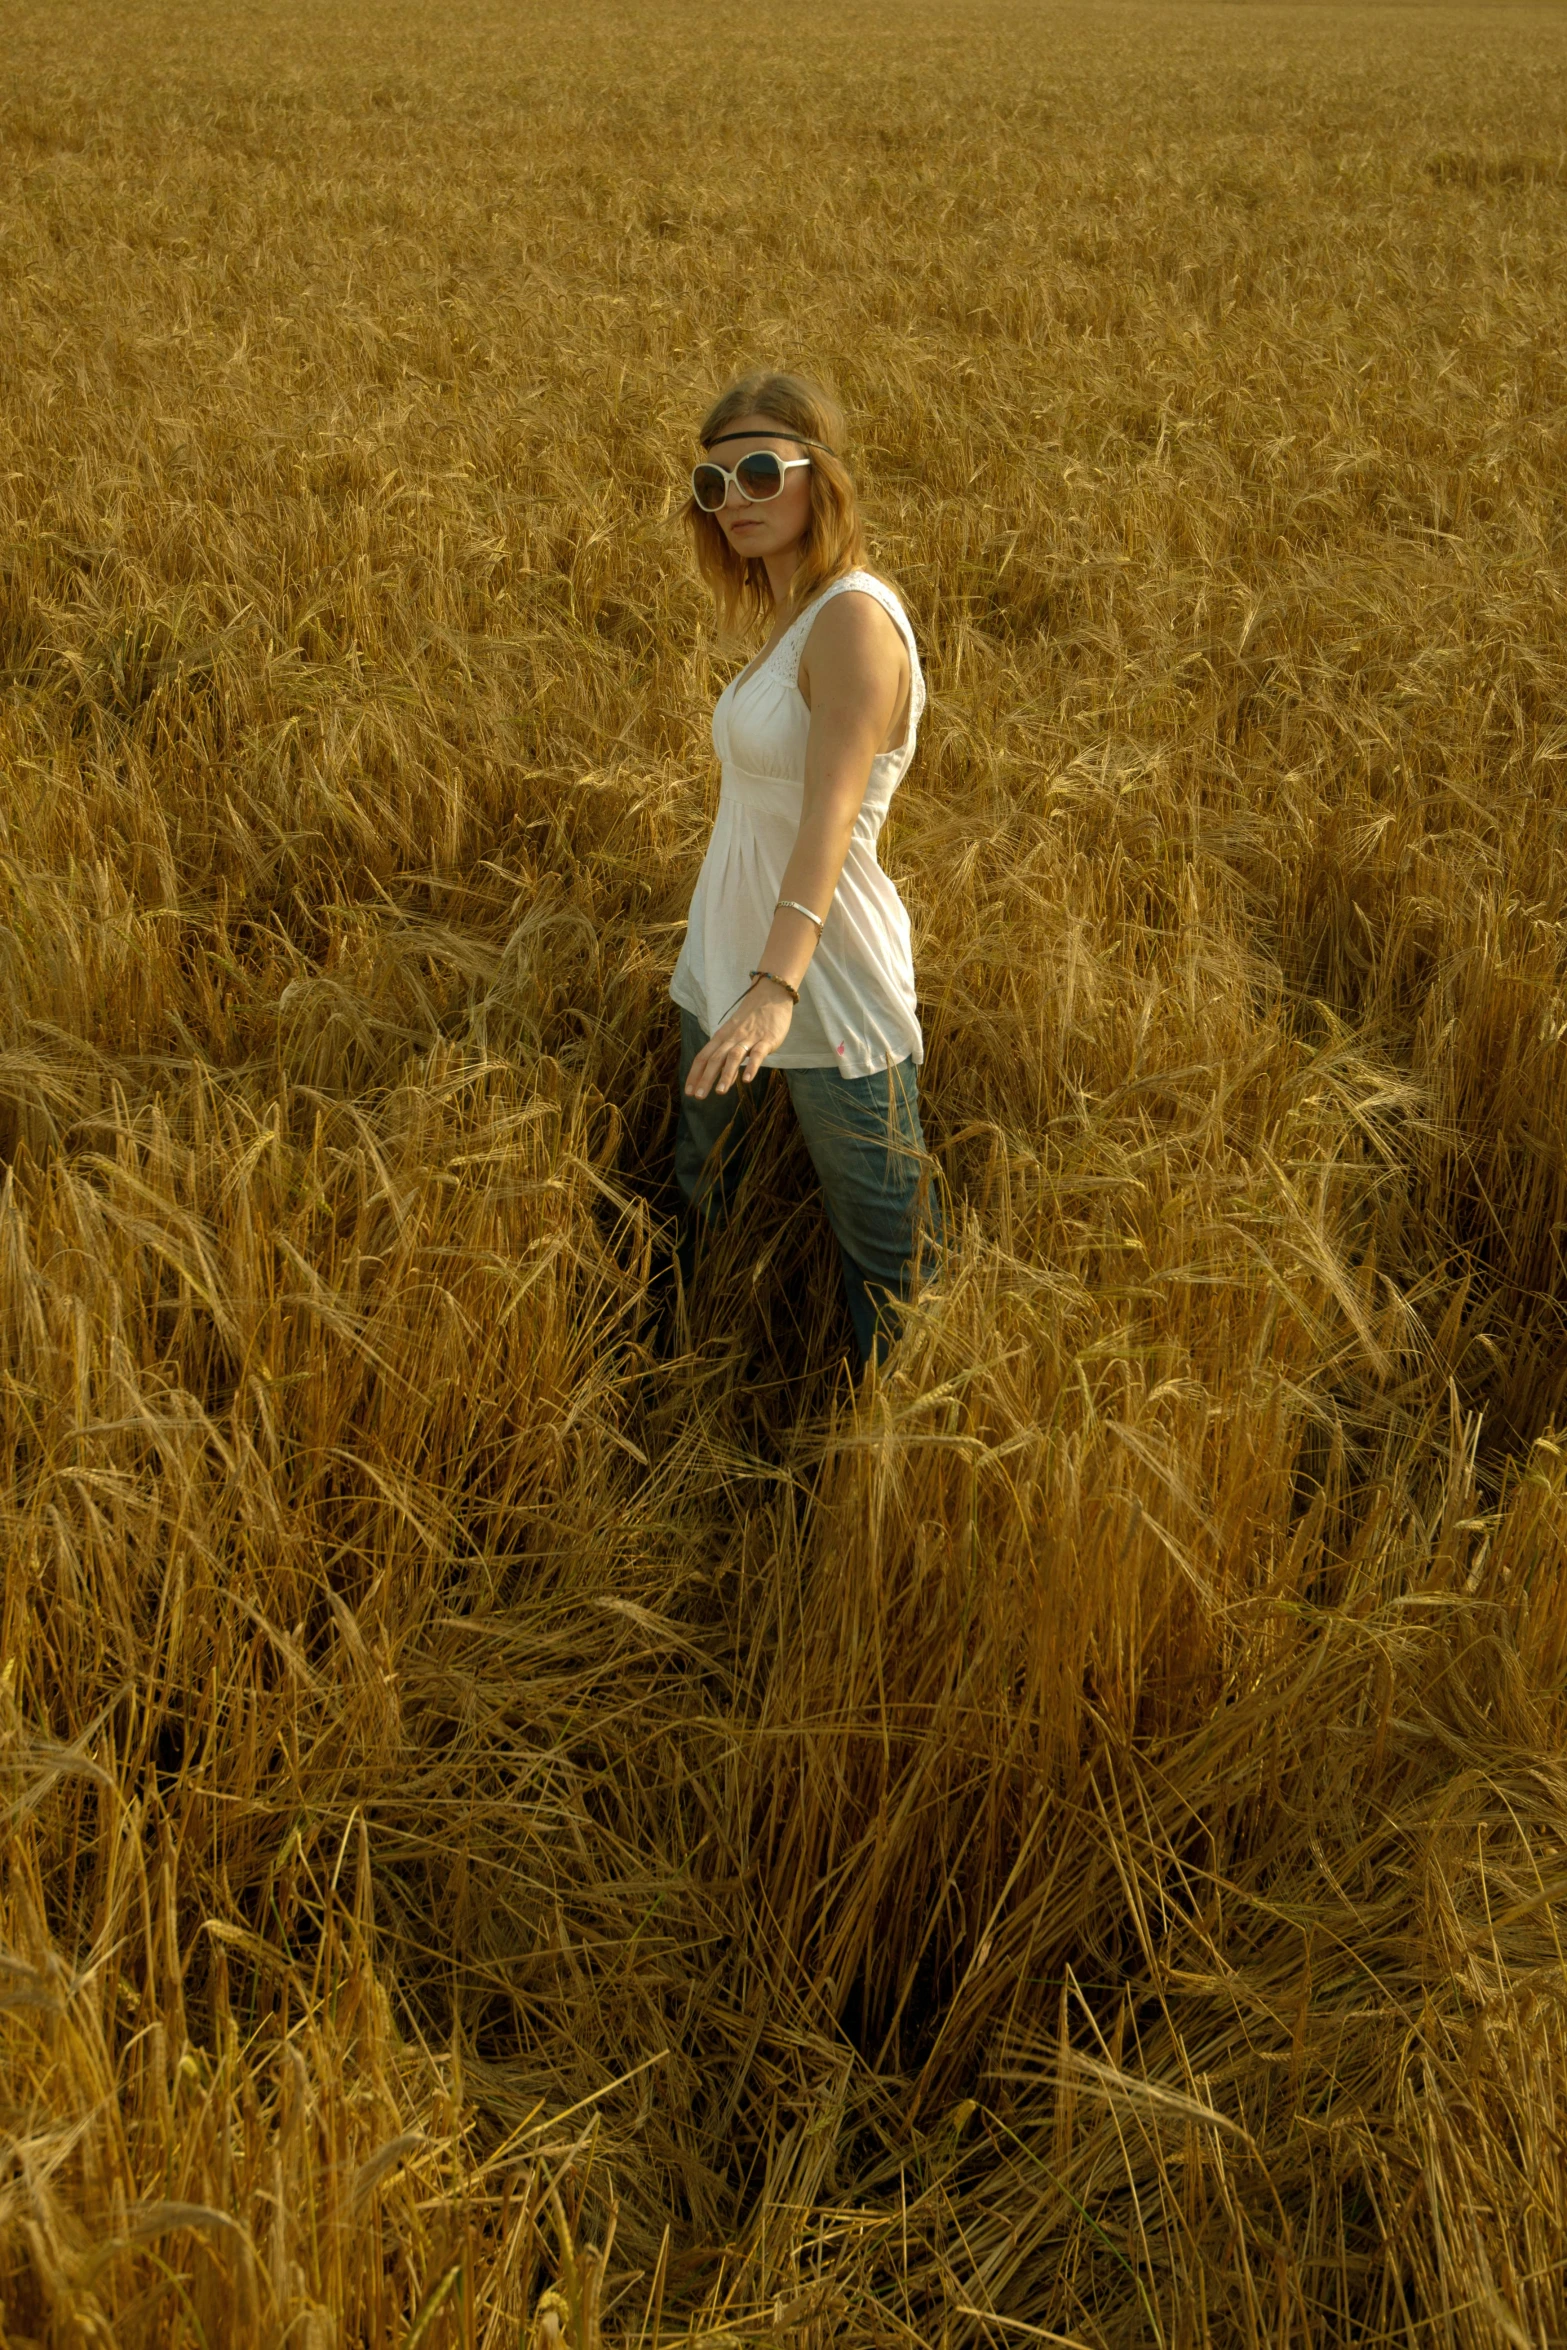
(767,432)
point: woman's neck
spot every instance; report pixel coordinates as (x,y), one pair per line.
(782,570)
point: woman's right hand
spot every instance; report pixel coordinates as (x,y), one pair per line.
(740,1044)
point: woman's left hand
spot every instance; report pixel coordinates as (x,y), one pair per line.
(739,1045)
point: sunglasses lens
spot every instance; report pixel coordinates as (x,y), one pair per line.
(709,488)
(761,475)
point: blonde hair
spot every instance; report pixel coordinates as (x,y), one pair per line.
(833,543)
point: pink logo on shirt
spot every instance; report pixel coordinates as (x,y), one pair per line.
(842,1048)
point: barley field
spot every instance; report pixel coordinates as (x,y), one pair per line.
(521,1786)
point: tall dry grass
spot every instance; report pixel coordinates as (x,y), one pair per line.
(511,1793)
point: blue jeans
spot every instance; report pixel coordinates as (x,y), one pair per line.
(868,1149)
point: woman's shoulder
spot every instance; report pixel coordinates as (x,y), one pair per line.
(860,620)
(856,636)
(858,583)
(868,583)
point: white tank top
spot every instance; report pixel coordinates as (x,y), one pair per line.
(856,1010)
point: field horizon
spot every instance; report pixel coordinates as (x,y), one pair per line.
(532,1819)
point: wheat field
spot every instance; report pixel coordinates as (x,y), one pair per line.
(519,1785)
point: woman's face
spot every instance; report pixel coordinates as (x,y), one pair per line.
(774,525)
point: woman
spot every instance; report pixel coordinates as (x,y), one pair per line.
(796,955)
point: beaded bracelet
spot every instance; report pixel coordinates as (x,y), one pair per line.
(792,993)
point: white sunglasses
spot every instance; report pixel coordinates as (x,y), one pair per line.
(757,478)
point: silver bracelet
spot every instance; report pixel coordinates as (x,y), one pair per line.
(793,906)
